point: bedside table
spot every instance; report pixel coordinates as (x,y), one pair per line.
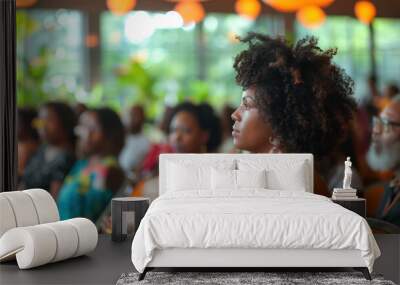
(356,205)
(126,214)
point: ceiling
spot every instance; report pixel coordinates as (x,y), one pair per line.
(385,8)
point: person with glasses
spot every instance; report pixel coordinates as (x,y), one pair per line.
(384,155)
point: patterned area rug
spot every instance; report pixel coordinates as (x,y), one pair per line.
(230,278)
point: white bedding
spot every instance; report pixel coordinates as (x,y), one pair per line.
(252,218)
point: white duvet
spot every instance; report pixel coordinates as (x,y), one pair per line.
(250,219)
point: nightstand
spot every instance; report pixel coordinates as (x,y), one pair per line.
(126,213)
(356,205)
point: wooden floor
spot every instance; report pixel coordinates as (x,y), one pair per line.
(106,264)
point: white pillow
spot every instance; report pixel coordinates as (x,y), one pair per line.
(187,175)
(251,178)
(181,177)
(223,179)
(281,174)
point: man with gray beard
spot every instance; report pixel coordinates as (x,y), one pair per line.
(383,155)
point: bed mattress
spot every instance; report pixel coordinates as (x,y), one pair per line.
(251,219)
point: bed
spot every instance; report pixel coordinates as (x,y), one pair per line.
(245,211)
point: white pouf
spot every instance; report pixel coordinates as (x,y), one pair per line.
(40,244)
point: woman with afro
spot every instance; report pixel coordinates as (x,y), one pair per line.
(295,100)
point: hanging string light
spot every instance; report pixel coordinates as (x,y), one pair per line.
(249,9)
(120,7)
(311,16)
(365,11)
(190,11)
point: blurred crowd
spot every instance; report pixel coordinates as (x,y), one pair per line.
(85,156)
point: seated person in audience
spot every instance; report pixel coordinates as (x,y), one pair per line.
(136,143)
(54,158)
(27,136)
(94,178)
(193,129)
(384,154)
(295,100)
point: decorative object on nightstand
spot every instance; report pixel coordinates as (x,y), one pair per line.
(126,214)
(357,205)
(347,192)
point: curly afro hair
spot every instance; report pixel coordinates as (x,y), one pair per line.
(305,98)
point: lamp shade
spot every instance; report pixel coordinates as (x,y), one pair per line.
(120,7)
(365,11)
(190,11)
(248,8)
(311,16)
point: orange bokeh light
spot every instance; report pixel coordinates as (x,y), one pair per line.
(120,7)
(190,11)
(295,5)
(311,16)
(248,8)
(365,11)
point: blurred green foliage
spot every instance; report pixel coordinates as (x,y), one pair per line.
(164,69)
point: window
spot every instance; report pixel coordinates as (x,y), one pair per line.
(50,56)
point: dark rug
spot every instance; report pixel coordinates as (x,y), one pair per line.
(228,278)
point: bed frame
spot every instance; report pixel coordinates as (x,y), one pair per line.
(249,258)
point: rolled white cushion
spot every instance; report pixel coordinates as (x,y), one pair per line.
(40,244)
(67,240)
(33,246)
(45,205)
(87,235)
(7,218)
(23,208)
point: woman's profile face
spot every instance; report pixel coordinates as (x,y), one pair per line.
(250,131)
(186,136)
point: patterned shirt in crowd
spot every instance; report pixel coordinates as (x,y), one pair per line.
(84,192)
(47,165)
